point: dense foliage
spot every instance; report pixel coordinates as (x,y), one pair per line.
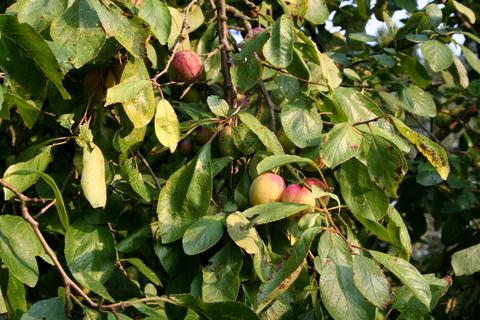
(127,174)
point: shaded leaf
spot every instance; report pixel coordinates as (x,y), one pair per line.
(92,284)
(40,13)
(286,270)
(415,100)
(53,308)
(185,196)
(231,310)
(268,138)
(13,294)
(221,281)
(270,212)
(134,239)
(246,72)
(16,249)
(386,165)
(28,54)
(90,248)
(146,271)
(28,109)
(362,196)
(398,233)
(203,234)
(279,160)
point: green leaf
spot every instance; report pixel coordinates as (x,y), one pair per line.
(398,233)
(461,72)
(270,212)
(28,109)
(130,31)
(134,240)
(246,72)
(38,162)
(336,112)
(471,58)
(427,175)
(386,165)
(53,308)
(203,234)
(13,294)
(279,160)
(340,144)
(362,196)
(432,151)
(221,281)
(407,274)
(28,54)
(416,100)
(317,12)
(371,282)
(286,270)
(339,294)
(245,237)
(437,54)
(136,181)
(59,203)
(218,106)
(289,86)
(146,271)
(268,138)
(415,70)
(125,91)
(16,249)
(93,176)
(231,310)
(185,196)
(278,50)
(141,109)
(92,284)
(156,13)
(167,127)
(80,29)
(90,248)
(301,123)
(418,38)
(357,106)
(466,261)
(434,15)
(40,13)
(363,37)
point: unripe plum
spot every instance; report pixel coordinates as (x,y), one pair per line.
(297,194)
(322,186)
(187,65)
(225,143)
(266,188)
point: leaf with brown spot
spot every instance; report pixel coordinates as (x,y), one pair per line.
(432,151)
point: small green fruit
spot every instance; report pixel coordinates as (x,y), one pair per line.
(266,188)
(225,143)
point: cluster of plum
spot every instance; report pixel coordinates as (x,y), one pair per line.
(269,187)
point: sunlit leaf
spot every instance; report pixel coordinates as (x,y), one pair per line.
(279,48)
(203,234)
(466,261)
(167,128)
(340,144)
(156,13)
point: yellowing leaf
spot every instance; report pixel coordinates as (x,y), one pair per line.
(167,127)
(432,151)
(93,176)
